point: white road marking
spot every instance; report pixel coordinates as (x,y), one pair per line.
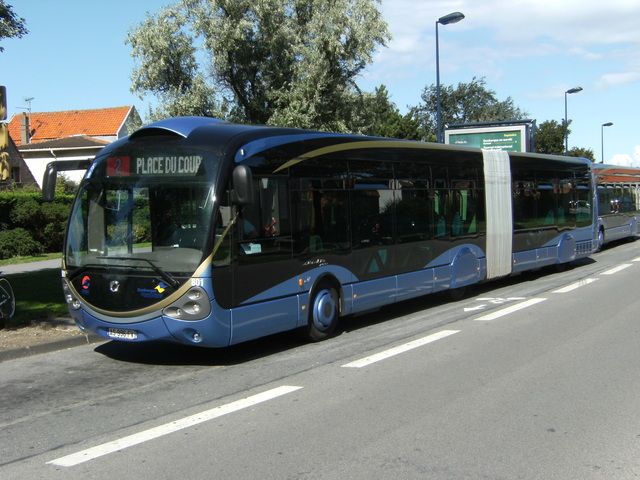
(498,300)
(152,433)
(473,309)
(576,285)
(363,362)
(513,308)
(492,300)
(637,259)
(616,269)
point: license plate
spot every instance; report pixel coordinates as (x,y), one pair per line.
(122,333)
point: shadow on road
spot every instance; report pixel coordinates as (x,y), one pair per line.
(161,353)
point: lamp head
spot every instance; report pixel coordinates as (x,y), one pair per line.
(574,90)
(451,18)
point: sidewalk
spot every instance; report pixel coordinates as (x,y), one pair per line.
(31,267)
(45,337)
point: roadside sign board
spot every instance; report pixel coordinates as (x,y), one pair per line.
(511,138)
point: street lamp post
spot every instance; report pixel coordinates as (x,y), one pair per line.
(608,124)
(446,20)
(566,121)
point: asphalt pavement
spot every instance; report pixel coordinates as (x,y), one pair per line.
(31,267)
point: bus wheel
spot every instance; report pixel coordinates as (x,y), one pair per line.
(600,239)
(324,313)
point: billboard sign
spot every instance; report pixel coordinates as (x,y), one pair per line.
(512,138)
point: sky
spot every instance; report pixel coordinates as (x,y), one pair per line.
(75,57)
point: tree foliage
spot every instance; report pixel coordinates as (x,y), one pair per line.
(466,103)
(168,68)
(11,26)
(550,137)
(284,62)
(377,115)
(582,152)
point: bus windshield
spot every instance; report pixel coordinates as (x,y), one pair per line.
(145,217)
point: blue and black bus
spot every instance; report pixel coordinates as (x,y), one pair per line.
(618,194)
(207,233)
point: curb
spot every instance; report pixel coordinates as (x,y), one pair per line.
(49,347)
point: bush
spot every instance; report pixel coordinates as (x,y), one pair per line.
(18,242)
(55,221)
(45,222)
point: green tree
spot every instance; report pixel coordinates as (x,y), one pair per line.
(167,67)
(582,152)
(284,62)
(11,26)
(466,103)
(550,137)
(377,115)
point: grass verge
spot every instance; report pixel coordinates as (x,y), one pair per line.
(38,297)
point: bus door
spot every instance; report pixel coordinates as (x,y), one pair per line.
(264,277)
(373,236)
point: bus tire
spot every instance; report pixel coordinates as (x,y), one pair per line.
(458,293)
(600,239)
(324,312)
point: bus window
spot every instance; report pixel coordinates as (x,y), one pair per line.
(372,203)
(264,226)
(583,207)
(524,205)
(118,212)
(413,207)
(546,203)
(180,216)
(441,209)
(565,197)
(222,242)
(320,221)
(464,219)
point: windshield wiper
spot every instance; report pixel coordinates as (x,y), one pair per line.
(73,274)
(165,275)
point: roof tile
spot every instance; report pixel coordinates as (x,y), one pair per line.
(54,125)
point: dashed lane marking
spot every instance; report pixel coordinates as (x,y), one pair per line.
(171,427)
(506,311)
(575,285)
(616,269)
(363,362)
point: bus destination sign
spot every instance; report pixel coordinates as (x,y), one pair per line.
(124,166)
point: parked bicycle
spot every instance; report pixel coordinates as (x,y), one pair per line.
(7,301)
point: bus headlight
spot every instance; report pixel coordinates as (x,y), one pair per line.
(71,300)
(193,305)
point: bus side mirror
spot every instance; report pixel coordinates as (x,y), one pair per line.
(242,186)
(49,182)
(51,174)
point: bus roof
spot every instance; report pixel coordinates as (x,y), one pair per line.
(253,139)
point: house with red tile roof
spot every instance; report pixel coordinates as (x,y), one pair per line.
(106,123)
(43,137)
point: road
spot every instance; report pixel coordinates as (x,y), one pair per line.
(532,377)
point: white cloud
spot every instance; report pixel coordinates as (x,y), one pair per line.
(525,27)
(618,78)
(626,160)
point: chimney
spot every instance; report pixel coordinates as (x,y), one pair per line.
(25,137)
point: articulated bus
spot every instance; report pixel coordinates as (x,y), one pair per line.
(618,193)
(206,233)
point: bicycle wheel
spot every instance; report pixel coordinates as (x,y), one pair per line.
(7,299)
